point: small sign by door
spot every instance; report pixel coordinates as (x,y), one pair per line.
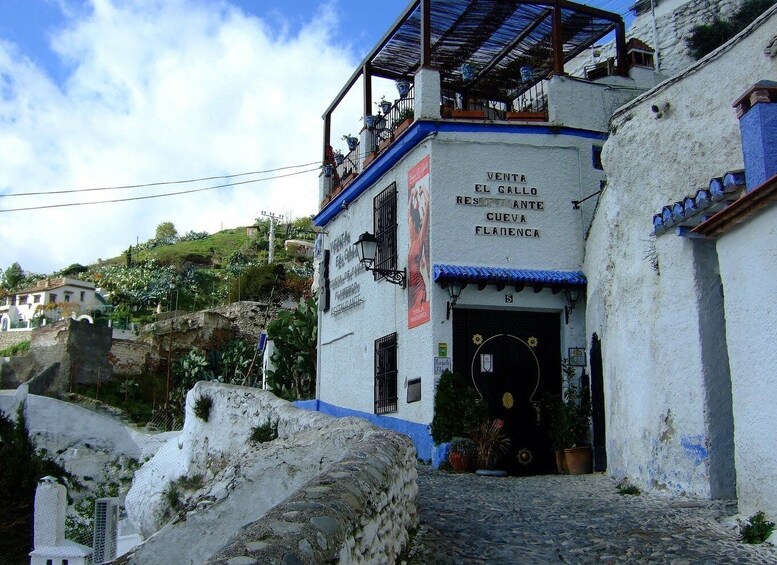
(486,363)
(441,364)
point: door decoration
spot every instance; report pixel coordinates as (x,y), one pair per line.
(418,264)
(532,342)
(507,400)
(525,456)
(486,363)
(477,339)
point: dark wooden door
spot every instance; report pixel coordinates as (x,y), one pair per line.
(513,359)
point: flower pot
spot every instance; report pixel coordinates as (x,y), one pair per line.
(459,461)
(385,107)
(352,142)
(403,87)
(579,460)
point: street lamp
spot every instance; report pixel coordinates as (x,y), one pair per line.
(367,247)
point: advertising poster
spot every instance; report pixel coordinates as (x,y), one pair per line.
(419,280)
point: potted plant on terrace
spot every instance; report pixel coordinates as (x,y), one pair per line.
(351,141)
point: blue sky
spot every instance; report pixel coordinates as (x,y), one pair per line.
(103,93)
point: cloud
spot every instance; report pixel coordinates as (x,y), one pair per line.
(161,90)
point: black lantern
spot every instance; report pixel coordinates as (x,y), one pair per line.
(454,291)
(572,295)
(367,247)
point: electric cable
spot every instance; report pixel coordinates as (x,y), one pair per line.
(150,196)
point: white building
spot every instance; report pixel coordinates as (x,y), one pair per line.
(50,298)
(491,188)
(681,285)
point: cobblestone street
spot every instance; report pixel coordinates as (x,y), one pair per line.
(466,519)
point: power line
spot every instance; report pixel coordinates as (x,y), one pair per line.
(150,196)
(158,183)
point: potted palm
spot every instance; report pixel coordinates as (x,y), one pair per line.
(491,444)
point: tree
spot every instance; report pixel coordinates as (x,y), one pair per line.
(294,336)
(166,233)
(13,277)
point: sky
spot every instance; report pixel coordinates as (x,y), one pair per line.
(111,93)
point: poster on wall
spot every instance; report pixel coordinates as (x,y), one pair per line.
(419,280)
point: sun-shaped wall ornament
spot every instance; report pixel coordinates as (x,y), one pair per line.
(477,339)
(507,400)
(532,341)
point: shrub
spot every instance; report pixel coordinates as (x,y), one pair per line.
(626,488)
(758,529)
(17,348)
(265,432)
(706,38)
(194,482)
(202,407)
(458,410)
(172,496)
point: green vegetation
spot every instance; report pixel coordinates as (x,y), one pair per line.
(706,38)
(265,432)
(172,496)
(21,467)
(15,349)
(294,335)
(194,482)
(136,397)
(626,488)
(202,407)
(79,526)
(458,410)
(758,529)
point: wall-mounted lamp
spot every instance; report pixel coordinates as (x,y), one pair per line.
(454,291)
(573,295)
(367,247)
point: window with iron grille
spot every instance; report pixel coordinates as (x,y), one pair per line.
(385,226)
(386,374)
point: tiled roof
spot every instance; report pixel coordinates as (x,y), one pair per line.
(693,210)
(497,275)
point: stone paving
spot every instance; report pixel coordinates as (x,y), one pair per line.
(467,519)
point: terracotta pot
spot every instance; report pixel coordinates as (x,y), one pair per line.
(561,462)
(579,460)
(459,461)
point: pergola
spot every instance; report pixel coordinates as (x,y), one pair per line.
(497,38)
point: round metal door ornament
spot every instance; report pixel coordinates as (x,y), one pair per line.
(477,339)
(525,456)
(532,342)
(507,400)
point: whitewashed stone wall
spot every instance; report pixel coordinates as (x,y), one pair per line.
(242,480)
(662,361)
(675,27)
(360,510)
(748,262)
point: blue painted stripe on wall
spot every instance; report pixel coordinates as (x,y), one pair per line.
(419,433)
(414,135)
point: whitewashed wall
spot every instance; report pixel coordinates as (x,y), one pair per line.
(748,262)
(660,369)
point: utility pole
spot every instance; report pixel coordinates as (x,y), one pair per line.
(273,219)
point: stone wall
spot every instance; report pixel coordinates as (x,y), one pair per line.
(674,29)
(357,511)
(242,480)
(9,338)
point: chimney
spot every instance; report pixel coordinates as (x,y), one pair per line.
(50,510)
(757,113)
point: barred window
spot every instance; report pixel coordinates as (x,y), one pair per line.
(386,374)
(385,226)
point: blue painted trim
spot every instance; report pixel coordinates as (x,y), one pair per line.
(419,433)
(449,273)
(416,133)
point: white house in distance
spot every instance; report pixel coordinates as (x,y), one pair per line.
(52,295)
(480,203)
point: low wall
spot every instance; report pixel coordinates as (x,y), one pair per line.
(359,510)
(12,337)
(312,459)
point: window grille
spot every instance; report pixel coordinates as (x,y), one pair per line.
(386,374)
(385,227)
